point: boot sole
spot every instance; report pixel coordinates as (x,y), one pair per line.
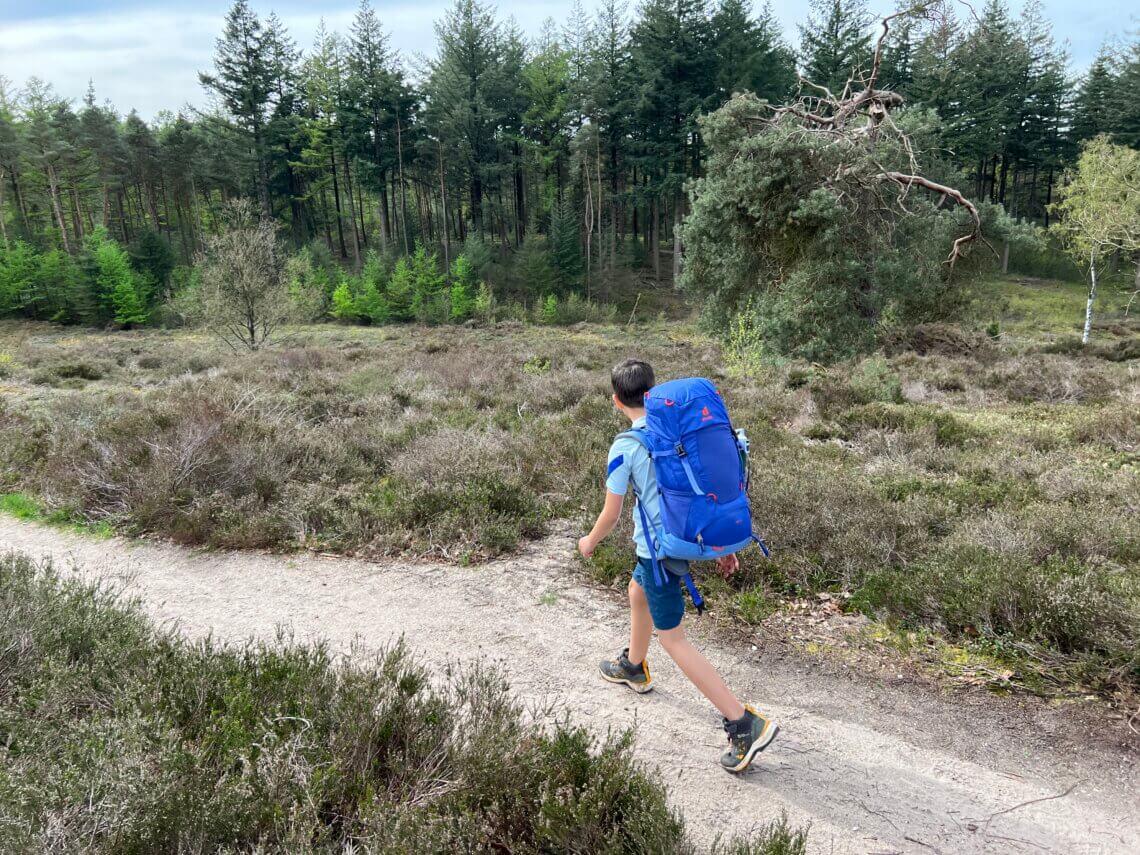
(640,688)
(759,745)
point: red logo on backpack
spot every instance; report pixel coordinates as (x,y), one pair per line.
(705,414)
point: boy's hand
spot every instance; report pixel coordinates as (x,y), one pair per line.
(586,546)
(727,565)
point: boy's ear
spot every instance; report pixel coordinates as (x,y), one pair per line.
(616,400)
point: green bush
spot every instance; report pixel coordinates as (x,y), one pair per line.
(948,429)
(1060,602)
(148,743)
(843,386)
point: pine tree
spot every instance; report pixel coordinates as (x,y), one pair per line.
(673,66)
(546,119)
(897,69)
(373,92)
(835,43)
(1127,130)
(992,68)
(934,82)
(467,91)
(565,245)
(750,54)
(463,288)
(1094,108)
(243,80)
(129,308)
(371,304)
(549,312)
(534,271)
(344,302)
(400,292)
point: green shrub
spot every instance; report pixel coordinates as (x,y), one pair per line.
(1061,602)
(948,429)
(843,386)
(20,506)
(548,314)
(148,743)
(1115,426)
(1051,379)
(775,838)
(940,340)
(343,302)
(1122,350)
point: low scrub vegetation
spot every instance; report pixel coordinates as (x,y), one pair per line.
(960,481)
(117,736)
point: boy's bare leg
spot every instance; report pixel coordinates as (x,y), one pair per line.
(699,670)
(640,624)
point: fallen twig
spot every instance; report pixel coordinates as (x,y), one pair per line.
(992,816)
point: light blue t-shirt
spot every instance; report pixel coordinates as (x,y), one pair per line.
(629,461)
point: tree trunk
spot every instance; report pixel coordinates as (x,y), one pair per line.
(352,216)
(1005,259)
(325,220)
(57,208)
(1048,196)
(1092,297)
(76,215)
(655,239)
(262,172)
(360,214)
(446,221)
(3,223)
(422,216)
(677,243)
(403,188)
(336,203)
(385,226)
(520,197)
(1002,180)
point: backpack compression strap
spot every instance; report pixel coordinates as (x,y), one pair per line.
(658,572)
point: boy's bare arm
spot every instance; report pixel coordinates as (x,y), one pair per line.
(607,519)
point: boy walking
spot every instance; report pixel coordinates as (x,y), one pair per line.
(660,605)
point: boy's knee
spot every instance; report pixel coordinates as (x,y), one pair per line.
(636,595)
(671,639)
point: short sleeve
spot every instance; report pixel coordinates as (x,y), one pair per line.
(617,468)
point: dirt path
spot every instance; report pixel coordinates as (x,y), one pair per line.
(874,768)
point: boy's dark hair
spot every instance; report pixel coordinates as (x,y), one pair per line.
(631,380)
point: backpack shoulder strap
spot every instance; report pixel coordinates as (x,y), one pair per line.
(640,436)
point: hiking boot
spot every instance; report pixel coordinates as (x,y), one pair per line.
(621,670)
(747,736)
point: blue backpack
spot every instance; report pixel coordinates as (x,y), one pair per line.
(701,466)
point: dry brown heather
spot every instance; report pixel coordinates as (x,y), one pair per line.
(986,490)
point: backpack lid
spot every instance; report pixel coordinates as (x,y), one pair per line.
(682,391)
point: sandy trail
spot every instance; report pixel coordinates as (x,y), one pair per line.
(875,768)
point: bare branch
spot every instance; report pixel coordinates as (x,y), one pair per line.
(861,117)
(908,181)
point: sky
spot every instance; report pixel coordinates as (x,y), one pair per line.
(146,55)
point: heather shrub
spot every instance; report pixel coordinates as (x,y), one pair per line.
(1061,602)
(122,737)
(1051,379)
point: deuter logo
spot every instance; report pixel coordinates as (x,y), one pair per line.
(705,414)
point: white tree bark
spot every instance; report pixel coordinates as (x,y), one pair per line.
(1092,297)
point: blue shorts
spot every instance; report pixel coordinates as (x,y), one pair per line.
(666,603)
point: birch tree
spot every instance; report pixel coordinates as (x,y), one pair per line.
(1099,209)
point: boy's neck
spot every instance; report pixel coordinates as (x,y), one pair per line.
(634,413)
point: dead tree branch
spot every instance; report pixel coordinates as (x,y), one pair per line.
(861,116)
